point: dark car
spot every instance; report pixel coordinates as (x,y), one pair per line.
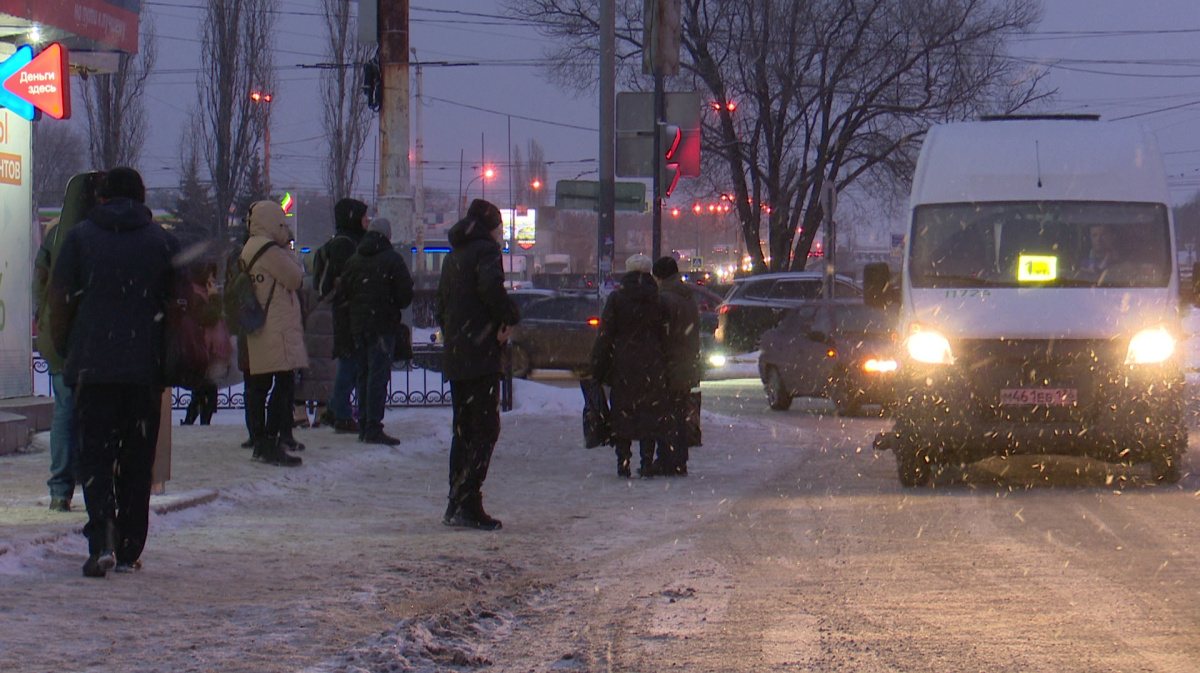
(840,349)
(526,296)
(556,333)
(754,304)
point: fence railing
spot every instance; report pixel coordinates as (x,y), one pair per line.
(416,383)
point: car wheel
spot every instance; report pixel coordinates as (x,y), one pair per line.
(913,466)
(847,398)
(1165,463)
(522,366)
(778,396)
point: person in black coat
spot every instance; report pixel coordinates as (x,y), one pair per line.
(375,287)
(628,355)
(475,314)
(109,292)
(350,216)
(682,351)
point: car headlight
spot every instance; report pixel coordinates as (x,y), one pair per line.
(880,365)
(929,347)
(1150,346)
(717,359)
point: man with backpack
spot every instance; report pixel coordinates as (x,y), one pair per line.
(375,287)
(350,217)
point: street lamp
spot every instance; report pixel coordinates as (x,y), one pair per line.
(264,98)
(487,174)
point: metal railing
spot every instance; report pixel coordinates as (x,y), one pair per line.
(416,383)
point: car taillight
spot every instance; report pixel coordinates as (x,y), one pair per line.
(593,322)
(723,309)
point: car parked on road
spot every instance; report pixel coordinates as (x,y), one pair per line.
(840,349)
(754,304)
(556,333)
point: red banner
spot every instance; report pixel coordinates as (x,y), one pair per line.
(112,24)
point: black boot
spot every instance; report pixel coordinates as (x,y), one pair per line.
(623,468)
(471,515)
(451,511)
(271,452)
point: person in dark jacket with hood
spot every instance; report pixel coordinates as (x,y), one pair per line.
(350,216)
(375,287)
(682,351)
(108,294)
(475,314)
(81,197)
(628,355)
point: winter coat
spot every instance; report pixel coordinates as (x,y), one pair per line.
(329,263)
(375,287)
(628,355)
(472,303)
(316,381)
(279,345)
(108,296)
(682,345)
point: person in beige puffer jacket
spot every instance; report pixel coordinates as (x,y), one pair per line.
(276,350)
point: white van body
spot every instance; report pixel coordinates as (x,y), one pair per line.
(1018,308)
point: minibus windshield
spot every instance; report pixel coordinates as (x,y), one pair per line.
(1040,244)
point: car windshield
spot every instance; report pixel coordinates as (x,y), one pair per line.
(1042,243)
(861,319)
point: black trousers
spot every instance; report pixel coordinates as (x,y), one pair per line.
(117,425)
(269,419)
(476,429)
(673,447)
(203,404)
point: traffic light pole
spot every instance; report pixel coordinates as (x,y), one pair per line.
(660,117)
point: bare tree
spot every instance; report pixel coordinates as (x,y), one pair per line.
(525,171)
(346,117)
(236,59)
(839,90)
(116,108)
(58,152)
(193,203)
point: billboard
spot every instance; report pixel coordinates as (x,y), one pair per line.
(522,222)
(111,24)
(16,250)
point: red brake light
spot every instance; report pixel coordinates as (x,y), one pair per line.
(724,308)
(593,322)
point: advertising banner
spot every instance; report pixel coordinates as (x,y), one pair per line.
(110,23)
(16,253)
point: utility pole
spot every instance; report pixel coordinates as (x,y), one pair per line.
(419,191)
(395,200)
(605,221)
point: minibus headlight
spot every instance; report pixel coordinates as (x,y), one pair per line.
(717,359)
(1150,346)
(929,347)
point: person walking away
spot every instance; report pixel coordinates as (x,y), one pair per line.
(375,287)
(475,314)
(682,351)
(276,349)
(108,294)
(81,197)
(206,309)
(350,218)
(628,356)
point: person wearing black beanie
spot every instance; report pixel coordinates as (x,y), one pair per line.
(681,345)
(475,314)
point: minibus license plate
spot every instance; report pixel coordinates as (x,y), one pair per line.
(1039,396)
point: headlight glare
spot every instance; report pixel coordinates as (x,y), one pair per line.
(1150,346)
(929,347)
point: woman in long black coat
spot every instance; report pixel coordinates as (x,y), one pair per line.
(628,355)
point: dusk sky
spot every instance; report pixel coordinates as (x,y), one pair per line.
(1112,57)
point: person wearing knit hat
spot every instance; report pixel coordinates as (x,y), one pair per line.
(639,263)
(374,289)
(350,222)
(475,314)
(628,355)
(682,350)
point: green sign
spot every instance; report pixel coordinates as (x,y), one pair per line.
(585,195)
